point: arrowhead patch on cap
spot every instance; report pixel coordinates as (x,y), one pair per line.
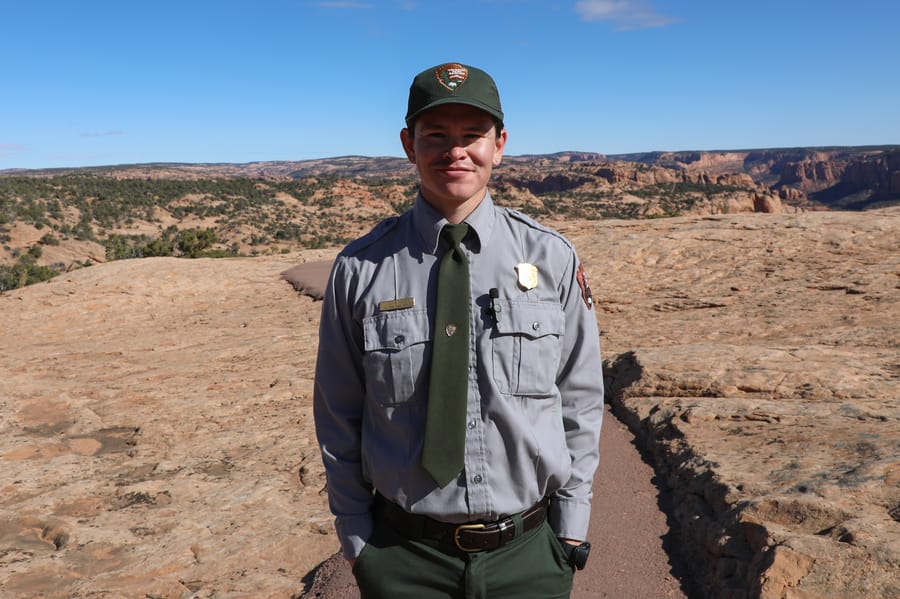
(451,75)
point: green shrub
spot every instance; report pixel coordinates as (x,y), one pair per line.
(24,272)
(191,242)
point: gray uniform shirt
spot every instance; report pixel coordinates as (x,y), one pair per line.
(535,400)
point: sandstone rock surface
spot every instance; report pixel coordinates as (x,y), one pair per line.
(156,436)
(758,357)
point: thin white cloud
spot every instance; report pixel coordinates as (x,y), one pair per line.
(624,14)
(103,133)
(348,4)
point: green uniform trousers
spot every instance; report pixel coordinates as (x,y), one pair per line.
(532,566)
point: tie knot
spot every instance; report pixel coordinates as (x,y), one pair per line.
(455,233)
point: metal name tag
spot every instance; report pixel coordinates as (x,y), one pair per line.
(397,304)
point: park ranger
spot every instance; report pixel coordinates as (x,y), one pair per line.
(459,395)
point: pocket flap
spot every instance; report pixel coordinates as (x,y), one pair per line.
(533,319)
(396,330)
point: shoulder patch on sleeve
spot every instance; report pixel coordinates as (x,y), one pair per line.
(581,277)
(377,232)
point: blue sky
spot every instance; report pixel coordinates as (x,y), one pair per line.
(130,81)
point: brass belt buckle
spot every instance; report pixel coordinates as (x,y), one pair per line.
(462,527)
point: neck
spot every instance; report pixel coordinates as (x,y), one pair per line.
(457,213)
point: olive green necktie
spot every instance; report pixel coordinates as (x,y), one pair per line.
(445,428)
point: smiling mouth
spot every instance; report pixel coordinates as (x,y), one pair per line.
(455,170)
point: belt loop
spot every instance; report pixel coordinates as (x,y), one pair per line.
(519,524)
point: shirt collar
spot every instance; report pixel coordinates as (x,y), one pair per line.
(429,223)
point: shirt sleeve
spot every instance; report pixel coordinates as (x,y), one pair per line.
(338,400)
(580,383)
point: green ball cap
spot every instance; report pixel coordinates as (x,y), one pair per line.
(453,83)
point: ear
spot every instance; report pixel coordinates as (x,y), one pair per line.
(499,145)
(406,138)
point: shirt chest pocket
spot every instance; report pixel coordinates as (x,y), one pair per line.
(395,353)
(526,347)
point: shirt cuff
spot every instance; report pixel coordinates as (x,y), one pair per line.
(353,533)
(569,518)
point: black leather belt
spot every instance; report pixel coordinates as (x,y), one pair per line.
(468,537)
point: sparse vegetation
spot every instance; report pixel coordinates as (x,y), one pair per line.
(133,216)
(24,272)
(49,239)
(188,243)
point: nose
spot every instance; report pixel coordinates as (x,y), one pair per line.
(456,151)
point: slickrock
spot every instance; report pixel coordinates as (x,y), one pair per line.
(759,360)
(156,436)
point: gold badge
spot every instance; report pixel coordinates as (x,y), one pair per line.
(397,304)
(450,329)
(528,275)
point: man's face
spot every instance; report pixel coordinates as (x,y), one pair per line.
(454,148)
